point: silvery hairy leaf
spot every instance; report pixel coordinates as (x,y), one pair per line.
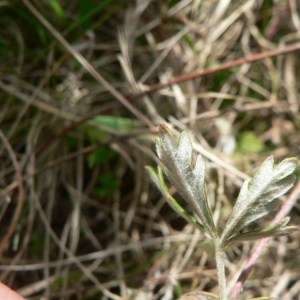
(258,196)
(277,229)
(158,179)
(176,156)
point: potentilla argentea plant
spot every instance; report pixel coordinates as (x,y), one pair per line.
(257,198)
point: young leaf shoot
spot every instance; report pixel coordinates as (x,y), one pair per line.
(257,198)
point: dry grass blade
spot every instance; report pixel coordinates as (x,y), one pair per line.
(15,219)
(84,88)
(87,65)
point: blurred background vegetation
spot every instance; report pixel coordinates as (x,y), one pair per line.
(79,217)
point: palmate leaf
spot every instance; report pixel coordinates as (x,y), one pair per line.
(258,196)
(176,156)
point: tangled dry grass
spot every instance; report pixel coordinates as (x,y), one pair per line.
(83,91)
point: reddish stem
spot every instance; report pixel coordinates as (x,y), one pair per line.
(225,66)
(228,65)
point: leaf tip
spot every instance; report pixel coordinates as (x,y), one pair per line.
(291,229)
(163,128)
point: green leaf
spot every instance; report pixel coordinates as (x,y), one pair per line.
(118,123)
(270,231)
(258,196)
(58,9)
(100,156)
(86,7)
(176,156)
(108,184)
(250,143)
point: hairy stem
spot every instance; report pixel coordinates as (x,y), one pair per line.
(221,271)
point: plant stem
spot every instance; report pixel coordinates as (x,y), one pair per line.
(221,271)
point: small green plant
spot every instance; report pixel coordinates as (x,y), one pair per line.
(257,198)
